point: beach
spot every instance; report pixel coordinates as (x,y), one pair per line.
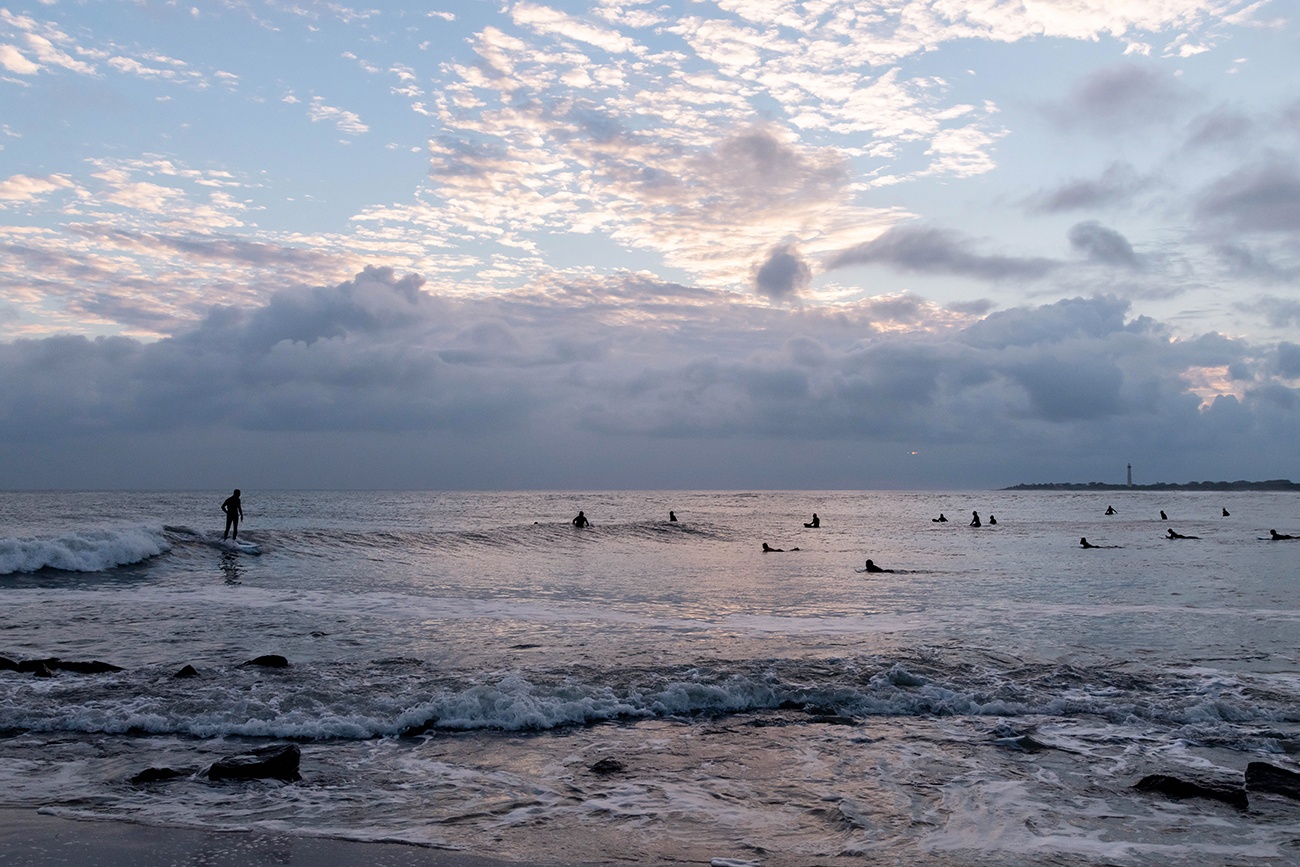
(471,679)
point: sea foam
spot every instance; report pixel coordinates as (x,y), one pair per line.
(91,550)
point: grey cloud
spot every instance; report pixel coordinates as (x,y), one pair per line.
(377,361)
(1223,127)
(1103,245)
(1288,360)
(1245,260)
(1121,98)
(1117,185)
(935,251)
(1259,198)
(1279,312)
(783,274)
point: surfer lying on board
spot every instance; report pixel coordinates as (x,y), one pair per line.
(872,567)
(1173,535)
(768,549)
(1084,543)
(234,514)
(1275,536)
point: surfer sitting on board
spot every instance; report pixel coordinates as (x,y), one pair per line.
(234,514)
(581,520)
(815,522)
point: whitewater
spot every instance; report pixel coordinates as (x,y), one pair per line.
(468,670)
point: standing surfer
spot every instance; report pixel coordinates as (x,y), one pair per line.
(234,514)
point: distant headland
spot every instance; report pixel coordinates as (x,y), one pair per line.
(1270,485)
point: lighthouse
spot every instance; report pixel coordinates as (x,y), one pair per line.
(1130,475)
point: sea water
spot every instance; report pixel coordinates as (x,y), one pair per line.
(459,663)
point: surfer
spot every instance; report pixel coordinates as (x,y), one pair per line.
(975,519)
(1110,510)
(815,522)
(1084,543)
(234,514)
(581,520)
(1225,513)
(939,520)
(993,522)
(1173,535)
(872,567)
(672,517)
(1275,536)
(1163,516)
(768,549)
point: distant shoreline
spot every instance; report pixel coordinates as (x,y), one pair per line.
(1270,485)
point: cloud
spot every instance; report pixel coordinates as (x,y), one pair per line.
(1103,245)
(345,121)
(1117,185)
(784,273)
(1122,98)
(13,60)
(25,188)
(1264,197)
(929,250)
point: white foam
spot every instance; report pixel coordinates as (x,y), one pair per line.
(92,550)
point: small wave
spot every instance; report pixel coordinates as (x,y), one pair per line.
(83,551)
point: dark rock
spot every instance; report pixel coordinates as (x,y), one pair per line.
(187,671)
(270,660)
(419,729)
(277,763)
(1173,787)
(30,666)
(160,775)
(1263,777)
(7,664)
(41,670)
(608,766)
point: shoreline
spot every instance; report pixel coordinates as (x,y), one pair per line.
(30,838)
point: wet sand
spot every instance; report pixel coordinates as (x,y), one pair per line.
(31,839)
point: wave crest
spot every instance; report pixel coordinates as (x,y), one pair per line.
(83,551)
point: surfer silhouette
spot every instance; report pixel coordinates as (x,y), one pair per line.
(768,549)
(672,516)
(872,567)
(939,520)
(1225,513)
(234,514)
(1110,510)
(815,522)
(1163,516)
(1275,536)
(975,519)
(1173,535)
(993,521)
(1084,543)
(581,520)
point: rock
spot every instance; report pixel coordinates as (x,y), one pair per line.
(187,671)
(1173,787)
(608,766)
(7,664)
(55,664)
(278,763)
(30,666)
(160,775)
(270,660)
(1263,777)
(42,670)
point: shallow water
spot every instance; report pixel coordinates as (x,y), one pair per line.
(459,661)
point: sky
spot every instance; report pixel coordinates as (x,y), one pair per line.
(830,244)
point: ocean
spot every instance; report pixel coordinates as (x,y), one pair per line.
(459,664)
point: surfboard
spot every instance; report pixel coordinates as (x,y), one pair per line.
(241,547)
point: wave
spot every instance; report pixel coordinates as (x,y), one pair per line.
(92,550)
(395,698)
